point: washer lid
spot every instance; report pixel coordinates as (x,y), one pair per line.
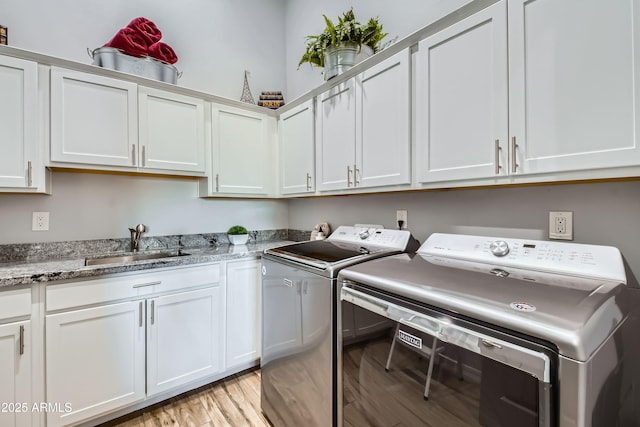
(319,252)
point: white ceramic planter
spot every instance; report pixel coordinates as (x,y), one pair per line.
(238,239)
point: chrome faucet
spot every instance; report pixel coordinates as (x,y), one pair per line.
(136,234)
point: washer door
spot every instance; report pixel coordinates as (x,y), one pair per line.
(429,367)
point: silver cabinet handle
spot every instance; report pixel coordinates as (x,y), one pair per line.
(348,176)
(21,339)
(142,285)
(152,312)
(143,156)
(217,183)
(308,182)
(133,154)
(355,176)
(514,155)
(29,174)
(497,160)
(140,318)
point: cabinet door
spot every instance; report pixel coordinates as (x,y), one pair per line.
(462,100)
(335,137)
(18,121)
(241,151)
(573,84)
(95,360)
(183,338)
(383,147)
(94,119)
(171,131)
(15,375)
(297,161)
(243,312)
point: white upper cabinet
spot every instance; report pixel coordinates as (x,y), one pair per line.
(94,119)
(574,94)
(105,123)
(241,152)
(462,114)
(562,96)
(383,142)
(336,137)
(21,166)
(243,320)
(297,160)
(362,129)
(172,131)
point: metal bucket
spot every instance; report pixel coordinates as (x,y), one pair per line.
(339,59)
(108,57)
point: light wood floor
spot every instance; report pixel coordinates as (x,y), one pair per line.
(234,402)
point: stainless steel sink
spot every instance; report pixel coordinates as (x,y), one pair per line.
(120,259)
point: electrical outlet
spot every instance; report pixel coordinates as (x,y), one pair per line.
(40,221)
(401,216)
(561,225)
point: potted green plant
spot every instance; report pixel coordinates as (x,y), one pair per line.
(337,47)
(238,235)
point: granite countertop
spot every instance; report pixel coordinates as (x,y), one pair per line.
(14,273)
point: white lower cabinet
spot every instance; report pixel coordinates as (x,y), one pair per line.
(15,375)
(183,335)
(16,359)
(243,304)
(113,342)
(95,360)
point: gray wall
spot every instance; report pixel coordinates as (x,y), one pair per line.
(215,40)
(304,17)
(95,206)
(604,213)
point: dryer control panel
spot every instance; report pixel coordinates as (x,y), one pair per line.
(372,236)
(573,259)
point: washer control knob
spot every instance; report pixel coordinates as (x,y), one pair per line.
(499,248)
(364,234)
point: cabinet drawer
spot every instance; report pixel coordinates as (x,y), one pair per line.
(187,277)
(108,289)
(15,303)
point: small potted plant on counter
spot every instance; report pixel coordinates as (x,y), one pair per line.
(337,47)
(238,235)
